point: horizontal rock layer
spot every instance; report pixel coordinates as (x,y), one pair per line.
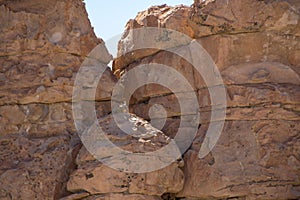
(42,46)
(255,46)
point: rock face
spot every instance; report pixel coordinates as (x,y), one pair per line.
(42,45)
(256,47)
(96,178)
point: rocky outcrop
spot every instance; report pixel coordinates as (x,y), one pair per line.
(42,46)
(97,178)
(256,47)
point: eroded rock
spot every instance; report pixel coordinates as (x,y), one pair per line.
(97,178)
(255,45)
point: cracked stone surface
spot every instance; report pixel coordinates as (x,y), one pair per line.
(256,47)
(42,45)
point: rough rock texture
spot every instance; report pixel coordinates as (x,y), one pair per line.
(256,47)
(42,45)
(96,178)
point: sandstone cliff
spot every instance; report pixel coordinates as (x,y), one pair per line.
(256,47)
(42,45)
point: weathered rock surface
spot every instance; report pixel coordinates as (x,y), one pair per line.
(42,46)
(97,178)
(111,197)
(255,45)
(270,30)
(34,168)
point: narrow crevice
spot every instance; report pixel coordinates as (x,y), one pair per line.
(70,166)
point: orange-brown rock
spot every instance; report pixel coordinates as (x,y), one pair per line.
(42,45)
(85,196)
(255,45)
(97,178)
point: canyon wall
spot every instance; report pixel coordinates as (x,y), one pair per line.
(42,45)
(256,47)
